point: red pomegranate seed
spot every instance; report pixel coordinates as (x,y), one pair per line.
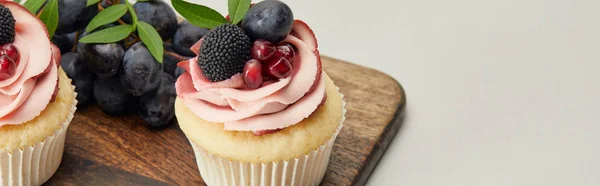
(11,51)
(286,50)
(7,67)
(280,68)
(262,50)
(253,74)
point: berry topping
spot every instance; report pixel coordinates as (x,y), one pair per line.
(224,52)
(7,26)
(11,51)
(262,50)
(287,51)
(253,74)
(269,20)
(279,67)
(7,67)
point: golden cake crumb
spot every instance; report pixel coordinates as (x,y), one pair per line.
(42,126)
(292,142)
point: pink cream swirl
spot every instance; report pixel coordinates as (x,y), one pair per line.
(275,105)
(27,93)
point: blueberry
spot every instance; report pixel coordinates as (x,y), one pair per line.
(140,72)
(64,42)
(81,77)
(111,96)
(270,20)
(186,36)
(157,108)
(158,14)
(102,59)
(73,15)
(178,72)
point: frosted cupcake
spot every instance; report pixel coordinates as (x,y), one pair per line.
(256,106)
(37,100)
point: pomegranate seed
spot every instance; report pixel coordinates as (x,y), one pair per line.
(280,68)
(286,50)
(7,67)
(253,74)
(11,51)
(262,50)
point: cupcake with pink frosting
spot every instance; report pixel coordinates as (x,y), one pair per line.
(37,100)
(255,103)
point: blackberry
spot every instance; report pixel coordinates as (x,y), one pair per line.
(7,26)
(224,52)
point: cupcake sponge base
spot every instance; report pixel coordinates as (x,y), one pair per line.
(13,137)
(34,159)
(289,143)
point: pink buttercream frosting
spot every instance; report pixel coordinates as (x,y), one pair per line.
(275,105)
(27,93)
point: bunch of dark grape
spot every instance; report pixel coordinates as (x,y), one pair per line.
(123,77)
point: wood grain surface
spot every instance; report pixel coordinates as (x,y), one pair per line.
(103,150)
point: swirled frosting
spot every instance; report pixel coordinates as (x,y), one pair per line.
(275,105)
(27,93)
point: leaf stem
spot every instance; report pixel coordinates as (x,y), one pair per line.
(40,12)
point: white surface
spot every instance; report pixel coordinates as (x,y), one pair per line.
(499,92)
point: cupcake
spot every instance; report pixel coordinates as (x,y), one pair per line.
(37,99)
(255,104)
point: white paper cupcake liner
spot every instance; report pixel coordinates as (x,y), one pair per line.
(308,169)
(34,165)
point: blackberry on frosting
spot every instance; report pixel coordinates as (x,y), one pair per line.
(7,26)
(224,52)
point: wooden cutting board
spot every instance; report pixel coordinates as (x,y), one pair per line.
(103,150)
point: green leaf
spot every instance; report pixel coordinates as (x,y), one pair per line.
(92,2)
(134,16)
(151,39)
(33,5)
(18,1)
(108,15)
(49,16)
(238,9)
(109,35)
(199,15)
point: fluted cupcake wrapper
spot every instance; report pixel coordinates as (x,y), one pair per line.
(34,165)
(308,169)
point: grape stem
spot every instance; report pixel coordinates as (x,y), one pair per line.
(137,39)
(75,42)
(179,57)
